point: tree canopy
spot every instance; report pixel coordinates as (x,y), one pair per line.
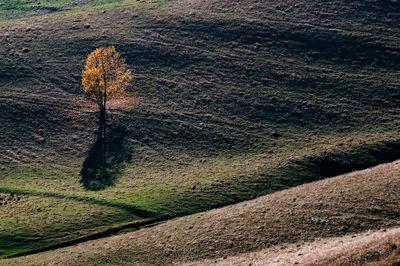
(105,75)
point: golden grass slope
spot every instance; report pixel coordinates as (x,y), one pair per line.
(373,248)
(344,205)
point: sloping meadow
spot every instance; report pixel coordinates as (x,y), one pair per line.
(282,222)
(230,101)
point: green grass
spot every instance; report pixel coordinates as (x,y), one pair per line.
(237,100)
(32,222)
(150,191)
(343,205)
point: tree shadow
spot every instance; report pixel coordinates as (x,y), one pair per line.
(95,176)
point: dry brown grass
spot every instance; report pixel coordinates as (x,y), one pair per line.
(373,248)
(344,205)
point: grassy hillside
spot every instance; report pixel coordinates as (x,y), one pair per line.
(13,9)
(231,100)
(337,206)
(369,248)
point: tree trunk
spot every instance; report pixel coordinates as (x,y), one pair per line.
(103,135)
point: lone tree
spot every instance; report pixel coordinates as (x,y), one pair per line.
(105,76)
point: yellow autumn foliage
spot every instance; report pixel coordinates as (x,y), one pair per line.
(105,75)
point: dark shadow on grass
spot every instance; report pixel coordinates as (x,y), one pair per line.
(94,175)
